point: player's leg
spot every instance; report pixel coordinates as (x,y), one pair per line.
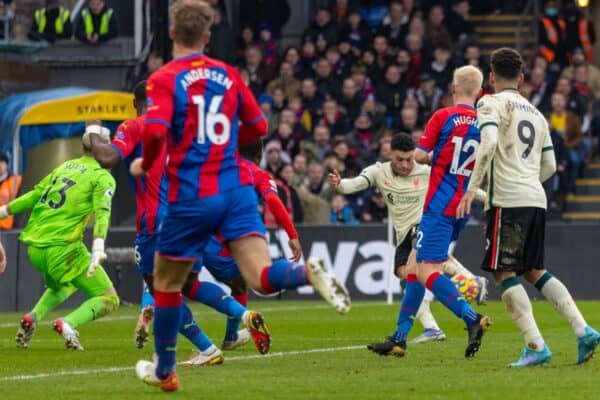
(207,353)
(413,295)
(144,253)
(244,231)
(560,297)
(433,240)
(224,270)
(103,298)
(235,337)
(507,238)
(432,331)
(180,243)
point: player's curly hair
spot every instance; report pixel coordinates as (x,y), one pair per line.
(403,142)
(506,63)
(190,21)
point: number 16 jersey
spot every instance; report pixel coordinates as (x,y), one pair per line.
(453,137)
(523,136)
(201,101)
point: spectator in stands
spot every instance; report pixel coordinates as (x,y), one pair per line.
(259,72)
(428,95)
(440,68)
(375,111)
(347,156)
(323,26)
(311,101)
(409,120)
(51,23)
(221,38)
(341,66)
(552,36)
(316,182)
(382,52)
(579,31)
(567,125)
(266,105)
(356,31)
(350,99)
(341,213)
(292,56)
(274,158)
(300,166)
(321,142)
(9,189)
(374,11)
(298,131)
(334,119)
(395,24)
(289,146)
(574,102)
(286,81)
(472,56)
(418,57)
(540,90)
(457,21)
(7,9)
(326,82)
(287,193)
(267,44)
(392,91)
(362,139)
(308,58)
(593,71)
(375,210)
(245,41)
(435,30)
(96,23)
(276,13)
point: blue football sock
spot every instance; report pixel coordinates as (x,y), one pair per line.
(283,275)
(191,330)
(233,324)
(147,299)
(213,296)
(413,296)
(167,321)
(445,291)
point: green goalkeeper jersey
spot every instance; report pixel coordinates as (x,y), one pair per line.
(63,202)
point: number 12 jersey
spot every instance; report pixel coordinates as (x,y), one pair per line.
(453,137)
(523,136)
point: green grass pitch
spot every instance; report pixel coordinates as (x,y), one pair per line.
(315,354)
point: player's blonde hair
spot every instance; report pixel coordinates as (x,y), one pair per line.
(467,80)
(190,21)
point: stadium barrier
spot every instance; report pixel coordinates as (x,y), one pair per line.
(360,256)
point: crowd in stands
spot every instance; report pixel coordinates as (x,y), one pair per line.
(364,70)
(95,23)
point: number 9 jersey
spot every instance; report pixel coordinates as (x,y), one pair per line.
(453,137)
(201,101)
(523,136)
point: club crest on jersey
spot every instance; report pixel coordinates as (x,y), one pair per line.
(416,183)
(120,135)
(109,193)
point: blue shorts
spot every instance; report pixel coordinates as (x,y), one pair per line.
(145,247)
(188,226)
(223,268)
(436,232)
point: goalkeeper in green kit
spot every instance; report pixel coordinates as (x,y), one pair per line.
(61,205)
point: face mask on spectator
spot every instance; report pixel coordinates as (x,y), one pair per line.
(551,11)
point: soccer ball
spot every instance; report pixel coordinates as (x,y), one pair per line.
(467,286)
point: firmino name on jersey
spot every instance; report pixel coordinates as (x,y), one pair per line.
(197,74)
(464,120)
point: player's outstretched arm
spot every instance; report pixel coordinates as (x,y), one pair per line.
(28,200)
(422,156)
(352,185)
(106,155)
(283,219)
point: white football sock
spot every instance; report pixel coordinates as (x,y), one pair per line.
(557,294)
(454,267)
(425,316)
(519,307)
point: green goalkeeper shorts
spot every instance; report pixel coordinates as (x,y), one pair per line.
(67,266)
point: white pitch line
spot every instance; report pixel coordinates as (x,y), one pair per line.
(131,368)
(262,310)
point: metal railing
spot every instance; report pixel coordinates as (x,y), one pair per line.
(532,5)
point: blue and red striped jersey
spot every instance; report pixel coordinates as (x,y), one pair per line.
(453,136)
(150,190)
(202,102)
